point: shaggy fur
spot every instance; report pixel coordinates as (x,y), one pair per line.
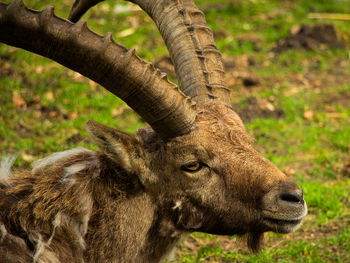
(133,201)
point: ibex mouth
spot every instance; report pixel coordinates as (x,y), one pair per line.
(284,208)
(283,221)
(282,225)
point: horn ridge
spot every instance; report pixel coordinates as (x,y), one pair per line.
(118,69)
(191,46)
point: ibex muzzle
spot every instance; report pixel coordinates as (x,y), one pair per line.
(284,207)
(194,169)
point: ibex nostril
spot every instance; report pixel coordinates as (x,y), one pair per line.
(292,197)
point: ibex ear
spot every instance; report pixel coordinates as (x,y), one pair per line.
(122,148)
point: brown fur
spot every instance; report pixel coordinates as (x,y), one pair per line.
(132,202)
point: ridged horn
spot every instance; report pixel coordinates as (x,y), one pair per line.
(144,88)
(190,42)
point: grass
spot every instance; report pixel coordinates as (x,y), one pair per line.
(44,108)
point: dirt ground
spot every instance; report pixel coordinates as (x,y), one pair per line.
(317,37)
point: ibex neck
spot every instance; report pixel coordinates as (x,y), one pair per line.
(130,224)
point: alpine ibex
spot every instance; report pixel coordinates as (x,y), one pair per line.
(193,169)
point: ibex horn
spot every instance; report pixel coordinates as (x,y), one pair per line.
(144,88)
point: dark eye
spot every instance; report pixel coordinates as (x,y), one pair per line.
(192,167)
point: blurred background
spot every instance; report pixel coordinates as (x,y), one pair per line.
(288,65)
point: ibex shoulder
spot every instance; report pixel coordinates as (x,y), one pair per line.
(57,207)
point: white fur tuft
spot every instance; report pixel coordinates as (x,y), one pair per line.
(5,168)
(75,168)
(70,171)
(177,205)
(3,232)
(53,158)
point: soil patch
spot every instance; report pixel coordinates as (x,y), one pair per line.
(237,70)
(317,37)
(341,99)
(346,170)
(254,107)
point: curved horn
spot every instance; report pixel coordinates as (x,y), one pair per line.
(80,7)
(190,42)
(144,88)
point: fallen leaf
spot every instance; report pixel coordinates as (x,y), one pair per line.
(330,109)
(39,69)
(126,32)
(53,114)
(134,21)
(119,111)
(5,66)
(309,115)
(104,8)
(18,100)
(49,96)
(294,30)
(73,115)
(336,115)
(289,171)
(92,84)
(76,76)
(270,106)
(122,8)
(27,157)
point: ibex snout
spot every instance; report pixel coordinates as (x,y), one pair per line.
(292,194)
(284,207)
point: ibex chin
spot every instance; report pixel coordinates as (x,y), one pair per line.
(193,169)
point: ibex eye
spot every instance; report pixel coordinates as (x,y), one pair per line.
(192,167)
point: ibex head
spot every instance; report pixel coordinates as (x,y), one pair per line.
(211,179)
(196,161)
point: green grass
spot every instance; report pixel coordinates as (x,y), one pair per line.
(57,104)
